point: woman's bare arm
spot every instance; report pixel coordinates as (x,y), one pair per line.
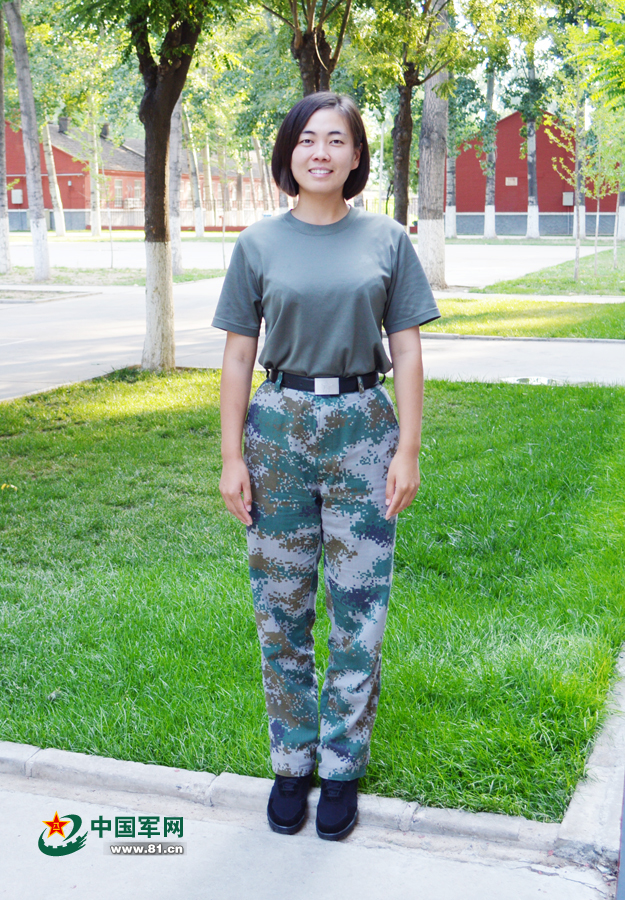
(236,382)
(404,479)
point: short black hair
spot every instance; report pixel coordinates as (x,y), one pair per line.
(293,125)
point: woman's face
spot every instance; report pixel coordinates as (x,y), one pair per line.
(324,154)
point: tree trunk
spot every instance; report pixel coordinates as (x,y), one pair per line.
(94,182)
(615,235)
(432,153)
(597,230)
(194,175)
(209,194)
(359,201)
(620,213)
(223,178)
(163,84)
(283,200)
(175,179)
(490,228)
(250,169)
(5,250)
(240,193)
(53,184)
(577,179)
(450,204)
(261,171)
(30,137)
(313,55)
(402,140)
(272,195)
(533,222)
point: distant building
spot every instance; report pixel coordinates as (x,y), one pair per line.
(555,196)
(123,193)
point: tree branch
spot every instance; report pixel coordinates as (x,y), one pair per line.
(140,39)
(322,19)
(309,15)
(339,40)
(277,15)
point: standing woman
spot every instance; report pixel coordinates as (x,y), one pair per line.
(326,464)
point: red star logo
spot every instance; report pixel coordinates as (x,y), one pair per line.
(56,826)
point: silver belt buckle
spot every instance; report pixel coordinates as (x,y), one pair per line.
(327,386)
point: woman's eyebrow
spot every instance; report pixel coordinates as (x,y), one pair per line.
(310,131)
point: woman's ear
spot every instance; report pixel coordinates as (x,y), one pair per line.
(357,152)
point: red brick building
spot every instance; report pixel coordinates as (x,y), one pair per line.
(124,182)
(555,200)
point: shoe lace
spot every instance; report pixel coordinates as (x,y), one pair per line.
(289,785)
(333,790)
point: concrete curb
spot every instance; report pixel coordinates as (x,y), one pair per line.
(449,336)
(589,832)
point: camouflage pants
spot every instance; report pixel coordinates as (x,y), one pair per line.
(318,468)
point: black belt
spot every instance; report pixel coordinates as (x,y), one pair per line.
(324,386)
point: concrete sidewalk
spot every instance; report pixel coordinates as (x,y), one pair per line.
(233,855)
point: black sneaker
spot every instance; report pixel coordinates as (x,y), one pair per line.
(338,809)
(286,810)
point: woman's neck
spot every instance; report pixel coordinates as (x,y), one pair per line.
(320,209)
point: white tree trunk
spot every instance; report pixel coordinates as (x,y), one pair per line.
(94,183)
(159,349)
(582,218)
(620,234)
(431,247)
(490,230)
(261,172)
(53,184)
(209,193)
(533,225)
(198,212)
(175,170)
(30,137)
(451,230)
(5,250)
(250,170)
(432,156)
(272,196)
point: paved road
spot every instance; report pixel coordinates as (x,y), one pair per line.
(72,338)
(234,856)
(468,265)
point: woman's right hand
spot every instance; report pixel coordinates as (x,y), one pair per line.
(236,490)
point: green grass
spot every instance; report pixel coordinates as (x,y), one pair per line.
(559,279)
(530,318)
(126,626)
(61,275)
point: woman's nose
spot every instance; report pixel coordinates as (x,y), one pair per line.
(321,151)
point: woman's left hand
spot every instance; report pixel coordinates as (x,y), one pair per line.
(402,482)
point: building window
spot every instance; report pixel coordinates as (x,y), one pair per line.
(119,190)
(138,188)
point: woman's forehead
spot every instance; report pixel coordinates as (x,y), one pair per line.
(327,121)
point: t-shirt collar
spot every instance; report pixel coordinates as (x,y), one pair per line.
(307,228)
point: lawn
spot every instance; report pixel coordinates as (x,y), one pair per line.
(60,275)
(559,279)
(530,318)
(126,624)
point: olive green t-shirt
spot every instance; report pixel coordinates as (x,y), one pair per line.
(324,291)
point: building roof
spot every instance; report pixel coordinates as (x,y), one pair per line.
(77,144)
(130,157)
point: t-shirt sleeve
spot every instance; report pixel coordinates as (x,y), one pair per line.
(410,299)
(240,306)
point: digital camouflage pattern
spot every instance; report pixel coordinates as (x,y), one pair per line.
(318,467)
